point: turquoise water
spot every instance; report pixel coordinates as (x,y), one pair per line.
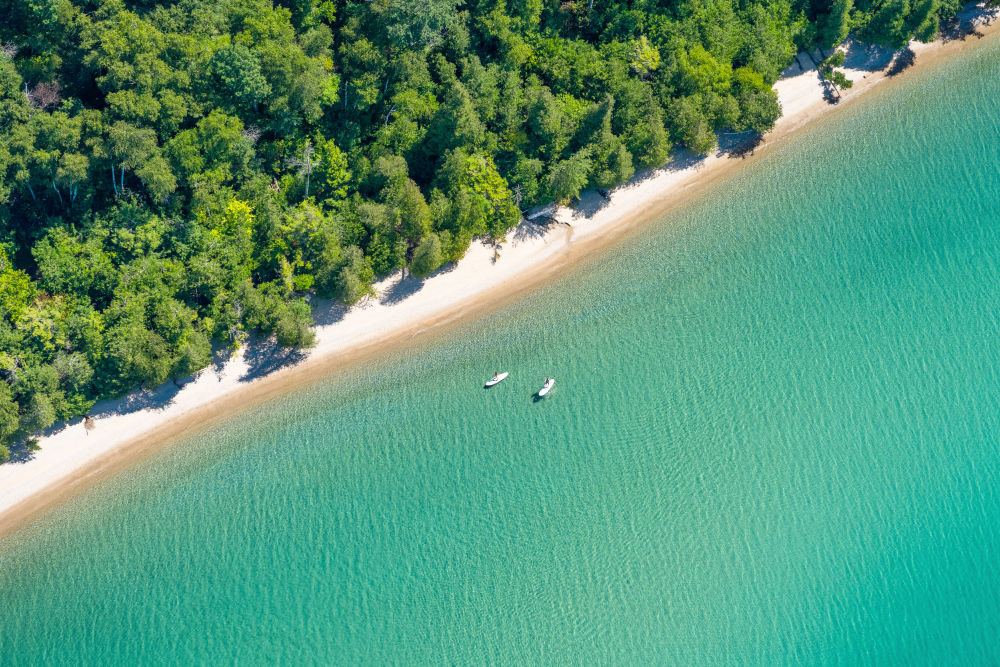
(773,441)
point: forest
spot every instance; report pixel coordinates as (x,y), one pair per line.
(178,176)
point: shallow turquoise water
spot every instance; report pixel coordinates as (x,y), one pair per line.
(773,441)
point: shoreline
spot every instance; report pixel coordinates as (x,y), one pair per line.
(127,431)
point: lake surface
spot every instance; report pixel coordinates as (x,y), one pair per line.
(773,441)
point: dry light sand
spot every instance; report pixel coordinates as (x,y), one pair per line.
(74,458)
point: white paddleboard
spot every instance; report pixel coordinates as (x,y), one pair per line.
(497,380)
(546,387)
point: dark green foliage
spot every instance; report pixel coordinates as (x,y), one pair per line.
(419,23)
(833,24)
(427,257)
(175,176)
(9,418)
(893,23)
(354,280)
(569,177)
(237,77)
(611,162)
(758,104)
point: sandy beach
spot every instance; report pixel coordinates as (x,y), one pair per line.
(73,458)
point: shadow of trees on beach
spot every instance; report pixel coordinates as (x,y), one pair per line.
(796,67)
(328,311)
(592,202)
(24,451)
(681,159)
(156,398)
(956,30)
(902,62)
(139,399)
(264,357)
(867,57)
(966,23)
(528,230)
(739,144)
(408,285)
(401,290)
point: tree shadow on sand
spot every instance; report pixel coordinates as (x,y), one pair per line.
(20,454)
(327,311)
(136,400)
(156,398)
(867,57)
(264,356)
(830,93)
(528,230)
(401,290)
(966,24)
(591,202)
(409,285)
(902,62)
(739,144)
(24,451)
(683,158)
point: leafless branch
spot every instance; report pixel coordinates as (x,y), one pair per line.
(45,96)
(251,133)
